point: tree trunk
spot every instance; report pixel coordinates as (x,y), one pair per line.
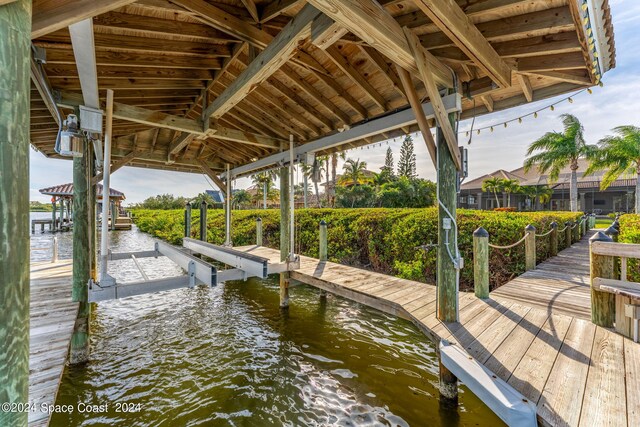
(508,199)
(327,189)
(495,193)
(334,167)
(573,188)
(315,184)
(306,188)
(264,195)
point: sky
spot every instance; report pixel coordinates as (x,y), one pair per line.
(615,104)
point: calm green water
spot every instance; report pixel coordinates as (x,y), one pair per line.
(228,356)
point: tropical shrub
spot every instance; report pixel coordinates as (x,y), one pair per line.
(630,233)
(384,240)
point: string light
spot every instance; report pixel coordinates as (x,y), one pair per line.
(570,100)
(519,119)
(535,115)
(552,108)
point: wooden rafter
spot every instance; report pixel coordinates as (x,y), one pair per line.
(376,27)
(450,18)
(557,62)
(266,63)
(421,55)
(61,14)
(325,32)
(416,106)
(488,102)
(276,8)
(387,71)
(576,77)
(252,9)
(526,87)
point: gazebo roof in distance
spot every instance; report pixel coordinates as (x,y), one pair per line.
(67,190)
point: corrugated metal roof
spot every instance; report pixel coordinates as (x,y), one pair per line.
(67,190)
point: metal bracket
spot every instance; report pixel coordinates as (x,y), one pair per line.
(253,265)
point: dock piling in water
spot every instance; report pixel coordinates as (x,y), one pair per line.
(481,262)
(203,221)
(258,231)
(187,220)
(530,247)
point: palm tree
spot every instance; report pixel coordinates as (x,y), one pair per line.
(354,170)
(537,194)
(334,167)
(264,180)
(557,150)
(240,198)
(314,173)
(493,185)
(619,154)
(510,186)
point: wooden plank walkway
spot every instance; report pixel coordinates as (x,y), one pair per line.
(534,333)
(52,315)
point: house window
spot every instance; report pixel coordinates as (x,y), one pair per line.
(462,199)
(472,200)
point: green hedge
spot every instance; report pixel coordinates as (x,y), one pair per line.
(630,233)
(383,240)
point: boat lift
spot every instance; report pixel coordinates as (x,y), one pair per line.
(243,266)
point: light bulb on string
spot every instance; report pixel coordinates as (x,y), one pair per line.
(519,119)
(590,91)
(570,100)
(552,108)
(505,124)
(491,128)
(535,115)
(478,131)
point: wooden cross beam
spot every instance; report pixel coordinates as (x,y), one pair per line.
(416,106)
(214,177)
(376,27)
(276,54)
(421,55)
(115,166)
(52,16)
(452,20)
(275,8)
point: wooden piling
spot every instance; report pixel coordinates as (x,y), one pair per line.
(187,220)
(567,233)
(446,270)
(15,83)
(82,254)
(54,218)
(258,231)
(203,221)
(481,262)
(322,253)
(530,247)
(602,303)
(284,235)
(553,239)
(61,213)
(114,214)
(576,231)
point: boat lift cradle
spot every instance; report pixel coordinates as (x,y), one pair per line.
(199,272)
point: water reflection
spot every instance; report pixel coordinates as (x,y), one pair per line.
(229,356)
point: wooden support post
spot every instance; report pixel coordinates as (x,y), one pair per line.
(530,247)
(258,231)
(553,239)
(567,233)
(446,269)
(61,213)
(576,231)
(187,220)
(322,254)
(584,226)
(602,266)
(203,221)
(93,215)
(284,234)
(54,218)
(15,83)
(227,209)
(82,253)
(114,214)
(448,386)
(481,262)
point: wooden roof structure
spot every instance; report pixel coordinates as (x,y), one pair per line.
(200,83)
(66,190)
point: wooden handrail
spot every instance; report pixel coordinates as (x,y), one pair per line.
(626,250)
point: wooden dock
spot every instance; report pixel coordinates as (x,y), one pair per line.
(53,315)
(534,333)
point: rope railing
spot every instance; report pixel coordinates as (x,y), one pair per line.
(545,234)
(562,230)
(510,246)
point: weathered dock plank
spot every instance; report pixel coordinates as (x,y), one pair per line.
(52,318)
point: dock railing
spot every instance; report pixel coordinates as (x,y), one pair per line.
(572,232)
(615,299)
(54,249)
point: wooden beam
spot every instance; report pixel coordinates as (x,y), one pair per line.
(377,28)
(345,66)
(325,32)
(243,137)
(3,2)
(557,62)
(60,14)
(578,77)
(156,118)
(251,7)
(450,18)
(179,143)
(84,52)
(266,63)
(115,165)
(40,81)
(214,177)
(414,101)
(276,8)
(488,102)
(440,111)
(526,86)
(387,71)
